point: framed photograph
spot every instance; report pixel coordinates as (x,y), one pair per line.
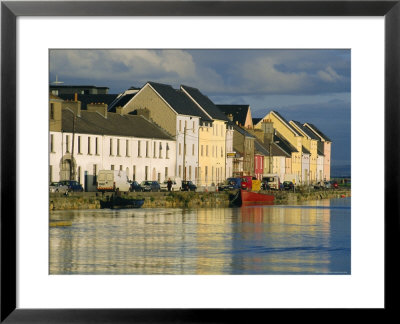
(342,53)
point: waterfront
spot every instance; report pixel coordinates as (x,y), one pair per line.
(311,238)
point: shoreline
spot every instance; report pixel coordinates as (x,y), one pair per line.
(184,199)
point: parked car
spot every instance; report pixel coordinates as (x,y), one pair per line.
(265,185)
(176,184)
(273,181)
(150,185)
(230,184)
(58,187)
(72,185)
(188,186)
(323,185)
(288,185)
(135,186)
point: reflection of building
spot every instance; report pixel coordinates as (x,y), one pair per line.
(82,142)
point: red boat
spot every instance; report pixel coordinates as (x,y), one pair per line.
(247,198)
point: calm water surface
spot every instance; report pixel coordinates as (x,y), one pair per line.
(313,238)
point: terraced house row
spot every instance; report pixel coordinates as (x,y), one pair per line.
(156,132)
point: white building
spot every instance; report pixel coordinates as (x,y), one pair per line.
(82,142)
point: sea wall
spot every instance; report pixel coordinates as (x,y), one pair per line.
(91,200)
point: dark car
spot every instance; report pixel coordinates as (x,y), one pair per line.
(334,184)
(230,184)
(188,186)
(265,185)
(72,185)
(135,186)
(150,185)
(288,185)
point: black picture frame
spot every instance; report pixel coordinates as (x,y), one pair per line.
(10,10)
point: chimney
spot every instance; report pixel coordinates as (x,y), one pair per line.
(76,97)
(101,108)
(267,127)
(75,106)
(230,117)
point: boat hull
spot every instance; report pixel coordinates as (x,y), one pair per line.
(248,198)
(121,203)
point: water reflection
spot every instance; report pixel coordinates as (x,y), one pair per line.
(309,239)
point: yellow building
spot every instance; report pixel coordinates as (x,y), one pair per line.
(282,126)
(310,142)
(212,139)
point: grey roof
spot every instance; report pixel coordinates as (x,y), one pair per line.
(259,147)
(305,151)
(115,124)
(86,99)
(256,120)
(238,112)
(120,101)
(316,130)
(178,101)
(286,122)
(205,103)
(284,144)
(320,153)
(240,130)
(306,130)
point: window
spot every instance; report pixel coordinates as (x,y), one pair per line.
(51,143)
(166,172)
(111,146)
(88,146)
(147,148)
(67,143)
(96,146)
(134,172)
(146,171)
(202,150)
(127,148)
(180,171)
(190,172)
(192,149)
(206,150)
(50,173)
(117,146)
(94,174)
(167,152)
(193,128)
(180,149)
(51,111)
(160,151)
(120,168)
(155,149)
(112,166)
(138,149)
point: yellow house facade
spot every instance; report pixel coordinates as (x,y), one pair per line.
(310,142)
(291,135)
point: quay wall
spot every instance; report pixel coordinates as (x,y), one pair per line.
(91,200)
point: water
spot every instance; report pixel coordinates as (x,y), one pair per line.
(313,238)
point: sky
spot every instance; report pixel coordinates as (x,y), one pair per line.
(304,85)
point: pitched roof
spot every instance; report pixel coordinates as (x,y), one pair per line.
(86,99)
(317,131)
(284,144)
(320,153)
(259,147)
(204,102)
(285,122)
(238,112)
(306,130)
(256,120)
(240,130)
(120,101)
(178,101)
(304,150)
(115,124)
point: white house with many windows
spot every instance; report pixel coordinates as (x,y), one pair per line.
(82,142)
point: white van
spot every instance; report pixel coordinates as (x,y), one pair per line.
(176,184)
(272,180)
(111,180)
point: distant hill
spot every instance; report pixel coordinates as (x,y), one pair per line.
(340,171)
